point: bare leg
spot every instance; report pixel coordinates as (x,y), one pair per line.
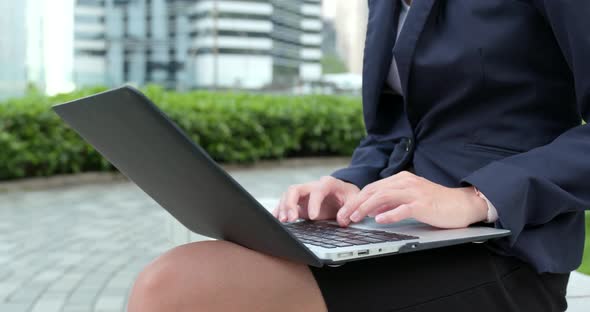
(222,276)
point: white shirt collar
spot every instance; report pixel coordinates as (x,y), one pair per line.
(405,5)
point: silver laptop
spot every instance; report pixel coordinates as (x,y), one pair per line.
(146,146)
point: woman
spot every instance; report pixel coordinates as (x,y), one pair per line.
(473,112)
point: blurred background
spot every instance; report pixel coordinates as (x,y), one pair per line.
(282,46)
(270,88)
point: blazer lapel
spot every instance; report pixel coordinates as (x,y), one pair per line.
(381,33)
(408,39)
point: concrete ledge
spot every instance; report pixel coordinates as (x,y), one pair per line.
(578,292)
(579,287)
(67,180)
(60,181)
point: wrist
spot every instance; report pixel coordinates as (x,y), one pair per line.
(477,205)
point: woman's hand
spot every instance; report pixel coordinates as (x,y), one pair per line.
(317,200)
(406,195)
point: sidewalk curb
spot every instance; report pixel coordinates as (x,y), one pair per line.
(582,286)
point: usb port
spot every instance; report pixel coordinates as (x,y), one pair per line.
(363,252)
(345,254)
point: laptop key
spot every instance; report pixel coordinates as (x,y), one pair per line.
(358,242)
(342,244)
(370,240)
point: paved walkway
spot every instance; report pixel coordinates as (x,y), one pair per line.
(79,248)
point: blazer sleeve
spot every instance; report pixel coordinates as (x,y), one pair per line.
(384,123)
(368,159)
(532,188)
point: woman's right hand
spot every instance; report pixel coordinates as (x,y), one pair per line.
(317,200)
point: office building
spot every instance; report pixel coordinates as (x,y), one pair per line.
(349,19)
(35,42)
(186,44)
(329,42)
(13,73)
(36,46)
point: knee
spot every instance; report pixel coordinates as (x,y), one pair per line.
(182,274)
(154,286)
(153,283)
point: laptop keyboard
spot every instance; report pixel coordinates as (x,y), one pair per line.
(329,235)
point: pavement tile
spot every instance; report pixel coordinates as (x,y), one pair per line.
(48,305)
(578,304)
(77,307)
(90,287)
(66,283)
(120,281)
(80,248)
(15,307)
(110,303)
(116,291)
(27,293)
(47,276)
(4,274)
(81,298)
(55,293)
(6,248)
(7,288)
(579,285)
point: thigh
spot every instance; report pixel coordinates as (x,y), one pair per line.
(222,276)
(460,278)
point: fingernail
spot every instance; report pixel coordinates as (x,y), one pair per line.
(345,223)
(292,216)
(356,216)
(282,216)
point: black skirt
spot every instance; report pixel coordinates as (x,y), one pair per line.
(468,277)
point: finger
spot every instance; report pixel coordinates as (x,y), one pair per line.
(378,211)
(280,212)
(278,208)
(290,201)
(343,216)
(385,199)
(400,180)
(316,197)
(292,198)
(400,213)
(293,214)
(302,212)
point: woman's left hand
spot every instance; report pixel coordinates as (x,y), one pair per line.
(406,195)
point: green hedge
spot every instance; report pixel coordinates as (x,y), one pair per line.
(234,128)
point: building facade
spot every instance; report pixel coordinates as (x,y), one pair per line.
(186,44)
(350,22)
(13,73)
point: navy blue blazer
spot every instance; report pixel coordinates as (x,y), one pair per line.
(496,91)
